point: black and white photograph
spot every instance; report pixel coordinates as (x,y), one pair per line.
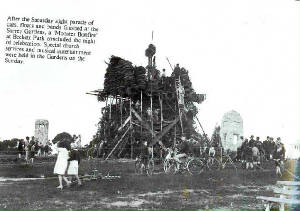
(150,105)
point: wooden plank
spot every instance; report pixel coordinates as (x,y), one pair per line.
(156,138)
(117,144)
(286,192)
(279,200)
(289,183)
(162,133)
(126,121)
(143,122)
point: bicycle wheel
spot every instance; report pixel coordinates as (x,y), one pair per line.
(170,167)
(229,164)
(213,164)
(195,166)
(150,167)
(166,165)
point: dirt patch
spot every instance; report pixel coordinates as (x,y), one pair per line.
(134,203)
(212,190)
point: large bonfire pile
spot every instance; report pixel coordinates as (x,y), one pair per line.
(129,89)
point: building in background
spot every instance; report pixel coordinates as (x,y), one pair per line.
(292,150)
(231,130)
(41,131)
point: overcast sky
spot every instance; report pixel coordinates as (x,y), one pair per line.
(243,54)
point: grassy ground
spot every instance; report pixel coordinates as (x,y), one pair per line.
(212,190)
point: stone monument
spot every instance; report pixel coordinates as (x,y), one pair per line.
(231,130)
(41,131)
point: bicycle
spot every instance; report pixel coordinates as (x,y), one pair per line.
(214,163)
(140,166)
(174,164)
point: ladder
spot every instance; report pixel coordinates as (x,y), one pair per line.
(180,99)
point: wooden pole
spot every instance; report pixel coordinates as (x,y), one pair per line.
(161,113)
(110,102)
(106,122)
(169,63)
(165,130)
(161,119)
(106,102)
(145,124)
(117,144)
(151,113)
(175,131)
(141,113)
(121,107)
(131,144)
(151,118)
(220,143)
(178,96)
(200,125)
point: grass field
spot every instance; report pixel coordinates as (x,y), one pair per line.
(212,190)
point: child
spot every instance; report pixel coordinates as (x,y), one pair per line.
(74,161)
(62,164)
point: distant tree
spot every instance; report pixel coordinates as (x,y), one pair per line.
(216,137)
(9,145)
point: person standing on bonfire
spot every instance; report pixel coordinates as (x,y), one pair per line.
(61,164)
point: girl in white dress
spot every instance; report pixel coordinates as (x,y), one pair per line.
(74,161)
(61,164)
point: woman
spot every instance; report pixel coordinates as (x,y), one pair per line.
(62,163)
(20,148)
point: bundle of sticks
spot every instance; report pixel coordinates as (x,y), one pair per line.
(122,77)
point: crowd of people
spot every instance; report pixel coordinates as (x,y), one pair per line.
(31,148)
(253,151)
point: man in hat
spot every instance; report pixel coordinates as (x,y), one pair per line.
(243,148)
(239,152)
(252,141)
(248,154)
(163,73)
(265,147)
(145,155)
(279,156)
(20,146)
(256,155)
